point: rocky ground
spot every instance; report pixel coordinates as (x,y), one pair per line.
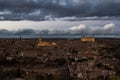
(69,60)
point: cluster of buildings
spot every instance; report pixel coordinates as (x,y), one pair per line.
(79,59)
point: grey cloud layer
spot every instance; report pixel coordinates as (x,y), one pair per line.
(110,28)
(47,9)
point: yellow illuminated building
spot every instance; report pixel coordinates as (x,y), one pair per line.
(87,39)
(41,43)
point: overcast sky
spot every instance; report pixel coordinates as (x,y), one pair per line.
(60,15)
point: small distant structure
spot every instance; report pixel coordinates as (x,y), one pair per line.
(19,54)
(9,58)
(87,39)
(21,39)
(41,43)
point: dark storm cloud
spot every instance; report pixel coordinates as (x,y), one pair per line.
(25,32)
(50,9)
(4,31)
